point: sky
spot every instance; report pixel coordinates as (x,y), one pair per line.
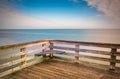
(59,14)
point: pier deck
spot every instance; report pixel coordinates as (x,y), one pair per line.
(61,70)
(19,61)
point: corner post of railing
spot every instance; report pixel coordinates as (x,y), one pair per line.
(113,59)
(51,48)
(43,51)
(23,56)
(77,46)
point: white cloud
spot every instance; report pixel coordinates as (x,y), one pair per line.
(11,18)
(110,8)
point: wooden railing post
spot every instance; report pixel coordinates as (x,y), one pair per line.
(113,59)
(43,51)
(51,49)
(23,50)
(77,46)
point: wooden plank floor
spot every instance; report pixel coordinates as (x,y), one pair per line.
(61,70)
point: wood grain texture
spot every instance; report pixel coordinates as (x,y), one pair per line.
(18,46)
(105,45)
(61,50)
(61,70)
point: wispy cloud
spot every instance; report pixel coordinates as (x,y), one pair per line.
(110,8)
(12,18)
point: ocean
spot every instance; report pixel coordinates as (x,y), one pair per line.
(15,36)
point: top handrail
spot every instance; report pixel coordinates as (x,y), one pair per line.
(98,44)
(48,45)
(28,44)
(22,45)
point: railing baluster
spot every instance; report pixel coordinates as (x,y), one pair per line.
(43,51)
(77,46)
(113,59)
(51,49)
(23,50)
(62,50)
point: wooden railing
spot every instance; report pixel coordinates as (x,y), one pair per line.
(49,48)
(109,52)
(22,58)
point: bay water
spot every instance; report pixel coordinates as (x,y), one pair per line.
(15,36)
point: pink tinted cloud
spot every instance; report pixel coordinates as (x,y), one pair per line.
(11,18)
(110,8)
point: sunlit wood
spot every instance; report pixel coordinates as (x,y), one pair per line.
(48,52)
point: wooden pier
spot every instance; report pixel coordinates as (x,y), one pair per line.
(60,59)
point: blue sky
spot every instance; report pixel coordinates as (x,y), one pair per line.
(54,14)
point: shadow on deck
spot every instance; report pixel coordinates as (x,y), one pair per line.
(61,70)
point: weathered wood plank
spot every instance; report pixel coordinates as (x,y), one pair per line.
(83,50)
(77,46)
(11,56)
(30,57)
(86,63)
(51,49)
(11,63)
(48,52)
(23,50)
(64,70)
(19,68)
(117,61)
(87,56)
(113,59)
(117,54)
(91,57)
(43,50)
(23,45)
(95,51)
(64,48)
(16,61)
(105,45)
(23,59)
(37,49)
(55,52)
(96,58)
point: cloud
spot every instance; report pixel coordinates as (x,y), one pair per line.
(110,8)
(12,18)
(111,12)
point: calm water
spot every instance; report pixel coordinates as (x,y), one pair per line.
(8,37)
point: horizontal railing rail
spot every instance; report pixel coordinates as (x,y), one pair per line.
(26,55)
(23,45)
(111,56)
(22,58)
(105,45)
